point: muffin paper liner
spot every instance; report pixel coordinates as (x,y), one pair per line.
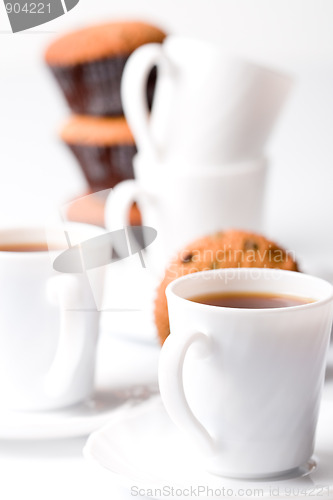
(93,88)
(106,166)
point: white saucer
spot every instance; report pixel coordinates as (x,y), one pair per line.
(143,449)
(74,421)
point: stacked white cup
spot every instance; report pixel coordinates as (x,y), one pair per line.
(201,163)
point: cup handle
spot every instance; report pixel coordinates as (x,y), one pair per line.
(67,293)
(116,213)
(119,203)
(133,93)
(170,376)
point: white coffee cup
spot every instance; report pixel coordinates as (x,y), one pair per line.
(48,320)
(209,107)
(183,206)
(245,384)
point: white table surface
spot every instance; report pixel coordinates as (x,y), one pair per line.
(55,469)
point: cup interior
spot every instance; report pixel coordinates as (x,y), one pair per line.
(255,280)
(55,238)
(189,50)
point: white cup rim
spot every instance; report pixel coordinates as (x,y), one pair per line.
(171,289)
(229,57)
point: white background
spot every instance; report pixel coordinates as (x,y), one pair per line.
(37,173)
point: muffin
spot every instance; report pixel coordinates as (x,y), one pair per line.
(88,64)
(104,148)
(222,250)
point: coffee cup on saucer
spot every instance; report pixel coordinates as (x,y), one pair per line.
(241,373)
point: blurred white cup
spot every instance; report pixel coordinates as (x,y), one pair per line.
(209,107)
(183,206)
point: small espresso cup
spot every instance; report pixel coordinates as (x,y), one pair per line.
(183,206)
(48,320)
(245,384)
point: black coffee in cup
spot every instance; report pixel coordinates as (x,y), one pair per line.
(250,300)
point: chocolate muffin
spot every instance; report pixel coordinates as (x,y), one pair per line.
(222,250)
(104,148)
(88,64)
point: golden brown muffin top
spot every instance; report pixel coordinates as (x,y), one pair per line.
(233,248)
(96,131)
(101,41)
